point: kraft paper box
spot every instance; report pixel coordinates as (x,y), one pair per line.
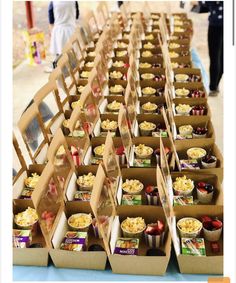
(191,87)
(159,101)
(147,176)
(30,256)
(140,264)
(158,120)
(201,121)
(202,177)
(100,132)
(73,186)
(192,102)
(209,264)
(72,259)
(183,145)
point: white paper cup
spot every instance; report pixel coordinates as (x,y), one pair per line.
(143,156)
(187,193)
(127,234)
(212,236)
(204,197)
(154,241)
(81,229)
(193,234)
(209,165)
(196,136)
(135,193)
(146,132)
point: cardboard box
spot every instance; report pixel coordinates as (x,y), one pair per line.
(72,259)
(128,264)
(140,264)
(209,264)
(203,177)
(201,121)
(30,256)
(190,87)
(192,102)
(183,145)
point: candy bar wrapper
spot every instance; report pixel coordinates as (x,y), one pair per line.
(75,241)
(182,200)
(189,164)
(193,246)
(21,238)
(161,133)
(104,134)
(95,160)
(127,246)
(152,200)
(154,241)
(131,200)
(82,196)
(142,162)
(26,193)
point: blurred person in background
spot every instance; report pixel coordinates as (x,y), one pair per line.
(215,41)
(62,17)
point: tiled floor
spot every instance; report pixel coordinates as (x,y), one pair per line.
(27,80)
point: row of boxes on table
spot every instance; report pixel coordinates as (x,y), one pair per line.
(83,259)
(116,259)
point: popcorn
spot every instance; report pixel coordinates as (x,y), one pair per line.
(147,126)
(118,64)
(121,53)
(149,106)
(173,54)
(116,75)
(196,152)
(149,37)
(114,105)
(133,225)
(85,74)
(89,64)
(149,45)
(117,88)
(99,150)
(86,180)
(80,220)
(189,225)
(76,104)
(181,77)
(145,65)
(147,54)
(132,186)
(26,218)
(183,108)
(174,45)
(148,90)
(183,184)
(147,76)
(142,149)
(109,125)
(32,181)
(182,92)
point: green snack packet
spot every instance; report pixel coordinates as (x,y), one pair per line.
(131,200)
(182,200)
(193,246)
(142,162)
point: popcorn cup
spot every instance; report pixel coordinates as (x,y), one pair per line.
(212,236)
(84,228)
(192,156)
(149,110)
(204,197)
(127,234)
(135,193)
(146,132)
(192,234)
(185,193)
(154,241)
(144,156)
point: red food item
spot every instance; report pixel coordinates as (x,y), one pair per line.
(217,224)
(120,150)
(160,225)
(149,189)
(155,229)
(206,219)
(73,150)
(126,65)
(201,185)
(215,247)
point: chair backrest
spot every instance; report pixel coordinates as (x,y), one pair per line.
(34,135)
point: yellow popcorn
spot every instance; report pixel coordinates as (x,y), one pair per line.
(148,90)
(115,75)
(89,64)
(86,180)
(182,92)
(147,76)
(173,54)
(114,105)
(109,125)
(132,186)
(117,88)
(145,65)
(133,225)
(32,181)
(118,64)
(80,220)
(196,152)
(76,104)
(183,184)
(149,106)
(174,45)
(85,74)
(99,150)
(147,126)
(147,54)
(183,108)
(26,218)
(142,149)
